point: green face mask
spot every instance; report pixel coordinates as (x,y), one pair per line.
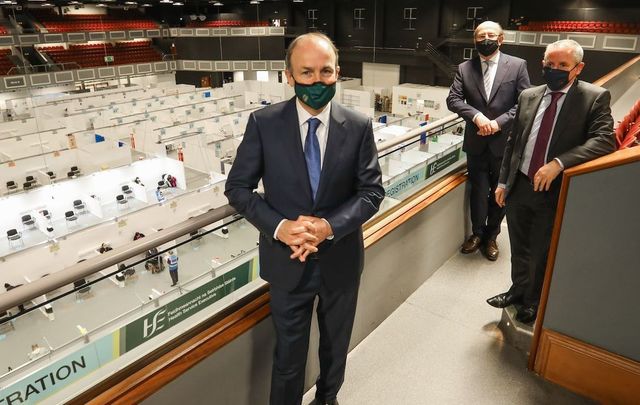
(315,95)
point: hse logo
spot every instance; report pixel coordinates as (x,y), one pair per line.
(153,324)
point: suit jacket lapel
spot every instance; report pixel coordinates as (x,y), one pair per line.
(532,107)
(565,114)
(476,71)
(501,72)
(293,144)
(337,134)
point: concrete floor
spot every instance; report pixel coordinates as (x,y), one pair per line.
(442,346)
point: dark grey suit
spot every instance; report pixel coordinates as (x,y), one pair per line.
(349,193)
(484,153)
(583,131)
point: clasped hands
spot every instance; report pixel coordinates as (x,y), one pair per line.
(304,235)
(485,125)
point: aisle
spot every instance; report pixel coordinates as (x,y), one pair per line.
(442,346)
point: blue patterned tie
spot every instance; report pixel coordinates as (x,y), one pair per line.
(312,155)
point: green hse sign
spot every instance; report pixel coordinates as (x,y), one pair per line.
(442,163)
(60,374)
(108,58)
(164,318)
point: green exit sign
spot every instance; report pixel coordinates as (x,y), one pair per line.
(108,58)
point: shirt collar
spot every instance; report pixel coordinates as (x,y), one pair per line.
(494,59)
(303,115)
(564,90)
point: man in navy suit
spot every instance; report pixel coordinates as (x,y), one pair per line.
(485,93)
(319,167)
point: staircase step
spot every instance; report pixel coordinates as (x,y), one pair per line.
(517,334)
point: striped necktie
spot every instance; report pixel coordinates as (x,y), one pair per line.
(486,77)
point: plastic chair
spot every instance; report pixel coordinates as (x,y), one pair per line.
(82,288)
(70,217)
(28,221)
(126,190)
(122,201)
(78,205)
(12,186)
(13,236)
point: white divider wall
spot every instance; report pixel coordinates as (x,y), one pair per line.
(176,169)
(93,205)
(105,185)
(102,156)
(139,192)
(201,158)
(58,162)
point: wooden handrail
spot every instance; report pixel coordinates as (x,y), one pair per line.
(615,72)
(614,159)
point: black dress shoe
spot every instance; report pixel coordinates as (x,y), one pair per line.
(503,300)
(491,250)
(527,314)
(471,245)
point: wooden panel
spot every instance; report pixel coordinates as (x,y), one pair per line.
(380,227)
(609,76)
(588,370)
(617,158)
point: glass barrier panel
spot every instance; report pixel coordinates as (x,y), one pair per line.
(409,166)
(73,337)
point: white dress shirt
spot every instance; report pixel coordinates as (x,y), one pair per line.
(323,128)
(537,121)
(493,68)
(322,134)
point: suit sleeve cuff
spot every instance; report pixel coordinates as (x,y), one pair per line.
(330,237)
(560,163)
(275,233)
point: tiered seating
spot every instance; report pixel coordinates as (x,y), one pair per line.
(5,62)
(91,22)
(93,55)
(227,23)
(583,26)
(628,131)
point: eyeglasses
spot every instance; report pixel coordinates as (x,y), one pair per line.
(489,35)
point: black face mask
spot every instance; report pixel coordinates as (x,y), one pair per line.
(556,78)
(487,47)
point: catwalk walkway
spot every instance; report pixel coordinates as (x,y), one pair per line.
(442,346)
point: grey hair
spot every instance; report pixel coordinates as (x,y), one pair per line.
(295,42)
(487,24)
(576,49)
